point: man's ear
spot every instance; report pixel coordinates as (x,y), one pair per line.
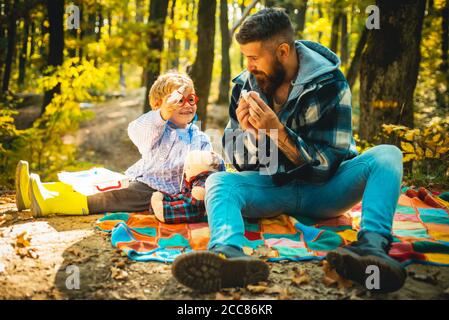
(283,51)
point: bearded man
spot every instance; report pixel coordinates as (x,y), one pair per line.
(298,99)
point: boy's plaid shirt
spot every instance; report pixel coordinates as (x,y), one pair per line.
(182,207)
(317,117)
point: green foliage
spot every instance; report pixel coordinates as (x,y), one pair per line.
(427,149)
(46,145)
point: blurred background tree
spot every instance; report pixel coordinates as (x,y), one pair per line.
(399,74)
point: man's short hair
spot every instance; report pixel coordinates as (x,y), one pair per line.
(267,24)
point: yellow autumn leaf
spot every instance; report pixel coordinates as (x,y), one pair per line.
(419,151)
(387,128)
(427,131)
(407,147)
(429,153)
(408,157)
(409,135)
(436,137)
(442,150)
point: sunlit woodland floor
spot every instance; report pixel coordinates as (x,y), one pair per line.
(38,270)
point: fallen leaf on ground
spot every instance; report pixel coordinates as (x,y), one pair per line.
(300,277)
(27,252)
(118,274)
(275,289)
(285,294)
(256,288)
(75,251)
(221,296)
(331,277)
(277,269)
(264,252)
(432,279)
(23,240)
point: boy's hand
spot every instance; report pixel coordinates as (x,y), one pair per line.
(171,103)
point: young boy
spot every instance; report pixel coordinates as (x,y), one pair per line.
(163,136)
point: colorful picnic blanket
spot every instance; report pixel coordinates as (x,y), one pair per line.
(421,235)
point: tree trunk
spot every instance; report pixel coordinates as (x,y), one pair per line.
(301,18)
(442,97)
(158,14)
(11,44)
(344,37)
(24,51)
(389,67)
(201,72)
(32,38)
(334,33)
(353,70)
(80,49)
(100,22)
(139,10)
(225,79)
(3,36)
(173,43)
(109,23)
(55,9)
(320,15)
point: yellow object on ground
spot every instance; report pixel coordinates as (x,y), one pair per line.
(22,185)
(55,198)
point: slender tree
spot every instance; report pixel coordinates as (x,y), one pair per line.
(157,17)
(442,97)
(225,78)
(201,72)
(354,67)
(344,39)
(12,33)
(55,9)
(24,49)
(335,29)
(301,17)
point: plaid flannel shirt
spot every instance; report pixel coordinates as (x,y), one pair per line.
(182,207)
(317,116)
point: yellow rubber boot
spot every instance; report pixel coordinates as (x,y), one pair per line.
(22,185)
(23,200)
(62,199)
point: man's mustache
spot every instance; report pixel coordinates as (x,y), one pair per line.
(259,73)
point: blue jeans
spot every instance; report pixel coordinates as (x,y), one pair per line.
(373,177)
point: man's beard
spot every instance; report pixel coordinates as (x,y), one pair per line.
(269,83)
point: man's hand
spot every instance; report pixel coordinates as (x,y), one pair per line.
(170,104)
(261,115)
(242,113)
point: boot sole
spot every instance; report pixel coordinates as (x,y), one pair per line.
(20,204)
(351,266)
(205,271)
(35,208)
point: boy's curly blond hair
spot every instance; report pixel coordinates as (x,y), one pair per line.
(166,84)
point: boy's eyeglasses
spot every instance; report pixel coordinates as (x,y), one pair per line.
(191,99)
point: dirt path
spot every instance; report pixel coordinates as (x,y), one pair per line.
(38,264)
